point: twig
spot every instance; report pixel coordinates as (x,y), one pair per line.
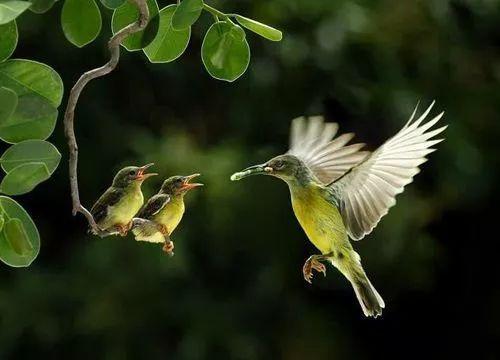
(69,130)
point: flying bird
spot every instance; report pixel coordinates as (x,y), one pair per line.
(115,209)
(163,212)
(339,191)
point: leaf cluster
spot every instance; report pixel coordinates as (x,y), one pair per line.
(30,94)
(225,51)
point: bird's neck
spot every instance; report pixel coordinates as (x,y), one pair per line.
(178,198)
(302,178)
(301,188)
(304,183)
(176,206)
(134,186)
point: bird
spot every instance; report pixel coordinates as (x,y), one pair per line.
(114,210)
(339,191)
(163,212)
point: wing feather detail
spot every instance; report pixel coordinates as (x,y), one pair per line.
(313,141)
(368,191)
(154,205)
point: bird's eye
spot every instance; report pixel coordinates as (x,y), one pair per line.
(132,172)
(279,164)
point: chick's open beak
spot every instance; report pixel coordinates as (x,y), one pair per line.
(186,185)
(141,175)
(252,170)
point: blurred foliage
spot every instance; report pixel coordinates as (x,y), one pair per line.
(234,288)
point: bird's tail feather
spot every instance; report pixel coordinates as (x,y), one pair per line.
(370,300)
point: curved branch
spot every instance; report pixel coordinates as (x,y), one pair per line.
(69,130)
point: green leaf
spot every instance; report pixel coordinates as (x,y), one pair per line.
(24,178)
(11,9)
(238,33)
(225,53)
(41,6)
(263,30)
(27,77)
(8,40)
(168,44)
(186,14)
(112,4)
(31,151)
(81,21)
(34,118)
(127,14)
(2,222)
(19,245)
(8,103)
(17,237)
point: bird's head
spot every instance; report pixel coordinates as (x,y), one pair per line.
(132,175)
(286,167)
(179,185)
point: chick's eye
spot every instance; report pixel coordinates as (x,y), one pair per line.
(279,164)
(132,172)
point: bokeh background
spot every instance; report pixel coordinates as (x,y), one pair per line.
(234,289)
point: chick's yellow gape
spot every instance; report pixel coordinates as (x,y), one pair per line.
(339,191)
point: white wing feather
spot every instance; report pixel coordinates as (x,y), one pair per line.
(312,141)
(369,190)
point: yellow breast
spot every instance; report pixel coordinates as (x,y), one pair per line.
(171,215)
(123,212)
(320,219)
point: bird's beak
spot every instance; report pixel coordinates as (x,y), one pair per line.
(186,185)
(252,170)
(141,176)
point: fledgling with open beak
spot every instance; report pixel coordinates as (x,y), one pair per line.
(114,210)
(163,212)
(338,191)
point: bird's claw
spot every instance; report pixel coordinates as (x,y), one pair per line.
(123,229)
(163,229)
(168,248)
(312,264)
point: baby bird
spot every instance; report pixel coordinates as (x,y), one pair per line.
(115,209)
(340,192)
(163,212)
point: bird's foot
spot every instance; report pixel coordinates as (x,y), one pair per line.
(312,263)
(99,232)
(123,229)
(130,225)
(163,229)
(168,247)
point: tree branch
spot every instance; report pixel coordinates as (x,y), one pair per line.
(69,115)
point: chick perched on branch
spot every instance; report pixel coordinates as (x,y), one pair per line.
(114,210)
(163,212)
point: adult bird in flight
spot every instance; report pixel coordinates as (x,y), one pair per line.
(339,191)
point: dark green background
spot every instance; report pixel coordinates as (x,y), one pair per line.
(234,289)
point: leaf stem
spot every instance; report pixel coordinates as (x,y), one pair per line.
(69,115)
(216,13)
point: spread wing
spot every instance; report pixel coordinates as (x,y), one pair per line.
(313,141)
(110,198)
(154,205)
(369,190)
